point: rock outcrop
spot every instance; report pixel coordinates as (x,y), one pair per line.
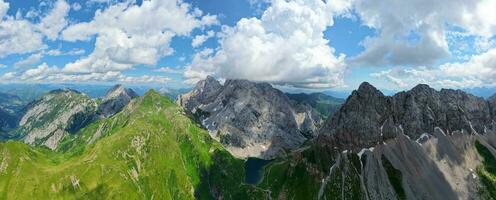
(250,119)
(492,106)
(55,114)
(62,112)
(369,117)
(115,100)
(418,144)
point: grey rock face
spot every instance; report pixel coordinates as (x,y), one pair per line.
(418,144)
(422,178)
(58,113)
(250,119)
(204,92)
(358,123)
(368,117)
(62,112)
(115,100)
(492,106)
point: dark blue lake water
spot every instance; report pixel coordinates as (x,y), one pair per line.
(254,169)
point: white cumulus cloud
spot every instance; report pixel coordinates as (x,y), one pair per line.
(285,46)
(200,39)
(29,61)
(51,24)
(128,34)
(414,32)
(19,36)
(478,71)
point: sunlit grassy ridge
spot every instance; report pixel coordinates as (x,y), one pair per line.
(149,151)
(487,171)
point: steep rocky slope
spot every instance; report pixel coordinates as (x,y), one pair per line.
(492,106)
(54,115)
(115,99)
(370,117)
(250,119)
(61,113)
(418,144)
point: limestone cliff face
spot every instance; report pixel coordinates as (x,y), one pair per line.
(62,112)
(250,119)
(492,106)
(57,113)
(368,117)
(426,136)
(115,100)
(417,144)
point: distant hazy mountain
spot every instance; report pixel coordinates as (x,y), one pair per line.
(11,109)
(250,119)
(173,93)
(324,104)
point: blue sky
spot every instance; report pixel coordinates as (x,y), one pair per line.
(301,44)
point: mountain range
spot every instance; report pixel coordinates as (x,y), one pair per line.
(417,144)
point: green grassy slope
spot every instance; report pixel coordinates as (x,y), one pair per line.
(487,171)
(150,151)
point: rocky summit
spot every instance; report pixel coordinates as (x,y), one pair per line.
(55,114)
(417,144)
(369,117)
(250,119)
(63,112)
(115,100)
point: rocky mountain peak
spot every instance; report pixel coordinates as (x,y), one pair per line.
(366,87)
(119,91)
(209,83)
(367,116)
(203,92)
(422,88)
(251,119)
(54,115)
(115,100)
(366,90)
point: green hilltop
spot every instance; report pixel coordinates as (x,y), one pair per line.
(151,150)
